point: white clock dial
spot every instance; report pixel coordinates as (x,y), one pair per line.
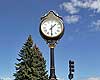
(51,28)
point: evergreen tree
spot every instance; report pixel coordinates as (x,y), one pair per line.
(32,65)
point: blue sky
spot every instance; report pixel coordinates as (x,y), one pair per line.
(81,40)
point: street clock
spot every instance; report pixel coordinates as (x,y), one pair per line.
(51,30)
(51,26)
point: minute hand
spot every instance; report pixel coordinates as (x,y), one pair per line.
(51,29)
(52,26)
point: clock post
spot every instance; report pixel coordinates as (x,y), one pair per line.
(51,29)
(52,64)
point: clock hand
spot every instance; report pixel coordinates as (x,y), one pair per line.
(51,29)
(51,32)
(52,26)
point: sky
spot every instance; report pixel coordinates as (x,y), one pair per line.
(80,42)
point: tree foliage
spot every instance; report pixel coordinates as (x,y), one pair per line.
(31,64)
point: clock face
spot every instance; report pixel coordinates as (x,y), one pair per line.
(51,28)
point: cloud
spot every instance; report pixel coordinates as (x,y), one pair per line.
(95,5)
(6,78)
(94,78)
(91,78)
(71,19)
(95,26)
(74,6)
(69,7)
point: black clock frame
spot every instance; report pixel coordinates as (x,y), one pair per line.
(47,37)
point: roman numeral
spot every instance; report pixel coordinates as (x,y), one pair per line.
(58,31)
(55,32)
(44,27)
(45,30)
(48,33)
